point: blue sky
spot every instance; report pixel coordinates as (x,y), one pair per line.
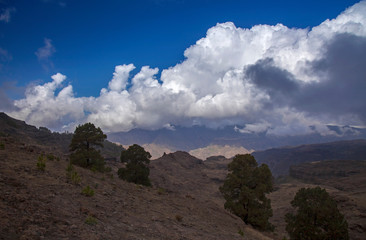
(85,41)
(91,37)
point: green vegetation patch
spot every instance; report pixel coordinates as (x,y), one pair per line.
(90,220)
(41,163)
(88,191)
(72,175)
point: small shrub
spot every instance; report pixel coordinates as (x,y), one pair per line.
(51,157)
(41,163)
(161,191)
(90,220)
(179,218)
(72,175)
(107,169)
(75,178)
(241,233)
(2,146)
(94,169)
(69,170)
(88,191)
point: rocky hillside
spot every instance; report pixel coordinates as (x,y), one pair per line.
(280,159)
(52,140)
(182,204)
(344,180)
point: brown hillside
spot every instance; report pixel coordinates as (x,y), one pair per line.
(345,180)
(45,205)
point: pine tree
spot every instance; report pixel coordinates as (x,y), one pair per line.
(244,190)
(85,141)
(317,217)
(137,165)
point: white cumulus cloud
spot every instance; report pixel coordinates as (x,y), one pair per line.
(266,78)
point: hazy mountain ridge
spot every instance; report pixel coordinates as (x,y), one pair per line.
(190,138)
(280,159)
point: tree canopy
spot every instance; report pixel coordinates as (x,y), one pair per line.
(85,141)
(317,217)
(137,165)
(244,190)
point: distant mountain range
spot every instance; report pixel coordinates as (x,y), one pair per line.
(190,138)
(280,159)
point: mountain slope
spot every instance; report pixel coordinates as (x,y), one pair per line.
(345,180)
(43,136)
(280,159)
(46,205)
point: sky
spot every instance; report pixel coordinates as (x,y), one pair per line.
(280,67)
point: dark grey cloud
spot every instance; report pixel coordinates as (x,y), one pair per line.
(278,83)
(341,91)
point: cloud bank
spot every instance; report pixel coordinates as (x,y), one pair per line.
(270,79)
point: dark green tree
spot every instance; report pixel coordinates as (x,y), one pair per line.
(84,146)
(244,190)
(137,165)
(317,217)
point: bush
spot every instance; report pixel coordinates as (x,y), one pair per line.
(72,175)
(2,146)
(107,169)
(161,191)
(41,163)
(88,191)
(90,220)
(75,178)
(317,216)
